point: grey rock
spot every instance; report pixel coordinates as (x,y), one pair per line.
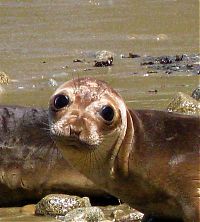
(104,55)
(60,204)
(85,214)
(52,82)
(122,213)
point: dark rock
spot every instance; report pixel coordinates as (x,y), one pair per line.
(178,58)
(165,60)
(104,63)
(147,63)
(168,72)
(77,60)
(189,66)
(153,91)
(130,55)
(170,64)
(152,71)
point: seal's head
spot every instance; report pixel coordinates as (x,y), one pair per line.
(87,118)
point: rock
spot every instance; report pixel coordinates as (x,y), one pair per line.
(120,216)
(60,204)
(130,55)
(103,63)
(75,209)
(178,63)
(103,55)
(78,60)
(29,209)
(103,58)
(4,79)
(183,103)
(85,214)
(122,213)
(52,82)
(196,93)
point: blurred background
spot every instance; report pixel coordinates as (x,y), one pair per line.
(41,43)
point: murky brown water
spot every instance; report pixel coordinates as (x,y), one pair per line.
(40,39)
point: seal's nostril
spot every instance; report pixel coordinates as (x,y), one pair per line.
(74,131)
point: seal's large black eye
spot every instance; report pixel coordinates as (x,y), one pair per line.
(61,101)
(107,113)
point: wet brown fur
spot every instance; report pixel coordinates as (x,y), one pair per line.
(153,165)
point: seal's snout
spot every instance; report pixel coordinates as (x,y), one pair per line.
(75,126)
(73,131)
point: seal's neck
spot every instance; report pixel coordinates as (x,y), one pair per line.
(123,149)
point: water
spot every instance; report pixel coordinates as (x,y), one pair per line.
(40,39)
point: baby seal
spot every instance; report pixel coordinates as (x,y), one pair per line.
(149,159)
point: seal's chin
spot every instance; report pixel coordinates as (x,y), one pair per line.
(73,142)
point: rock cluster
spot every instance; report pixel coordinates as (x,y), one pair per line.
(76,209)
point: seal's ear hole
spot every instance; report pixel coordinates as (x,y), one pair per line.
(107,113)
(61,101)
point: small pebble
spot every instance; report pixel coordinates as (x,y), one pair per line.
(20,87)
(77,60)
(52,82)
(153,91)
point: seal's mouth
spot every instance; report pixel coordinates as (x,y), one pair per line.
(73,142)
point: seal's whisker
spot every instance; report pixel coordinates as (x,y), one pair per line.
(46,129)
(97,158)
(101,93)
(81,161)
(91,167)
(74,83)
(78,82)
(45,123)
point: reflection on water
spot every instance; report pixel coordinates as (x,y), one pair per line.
(40,39)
